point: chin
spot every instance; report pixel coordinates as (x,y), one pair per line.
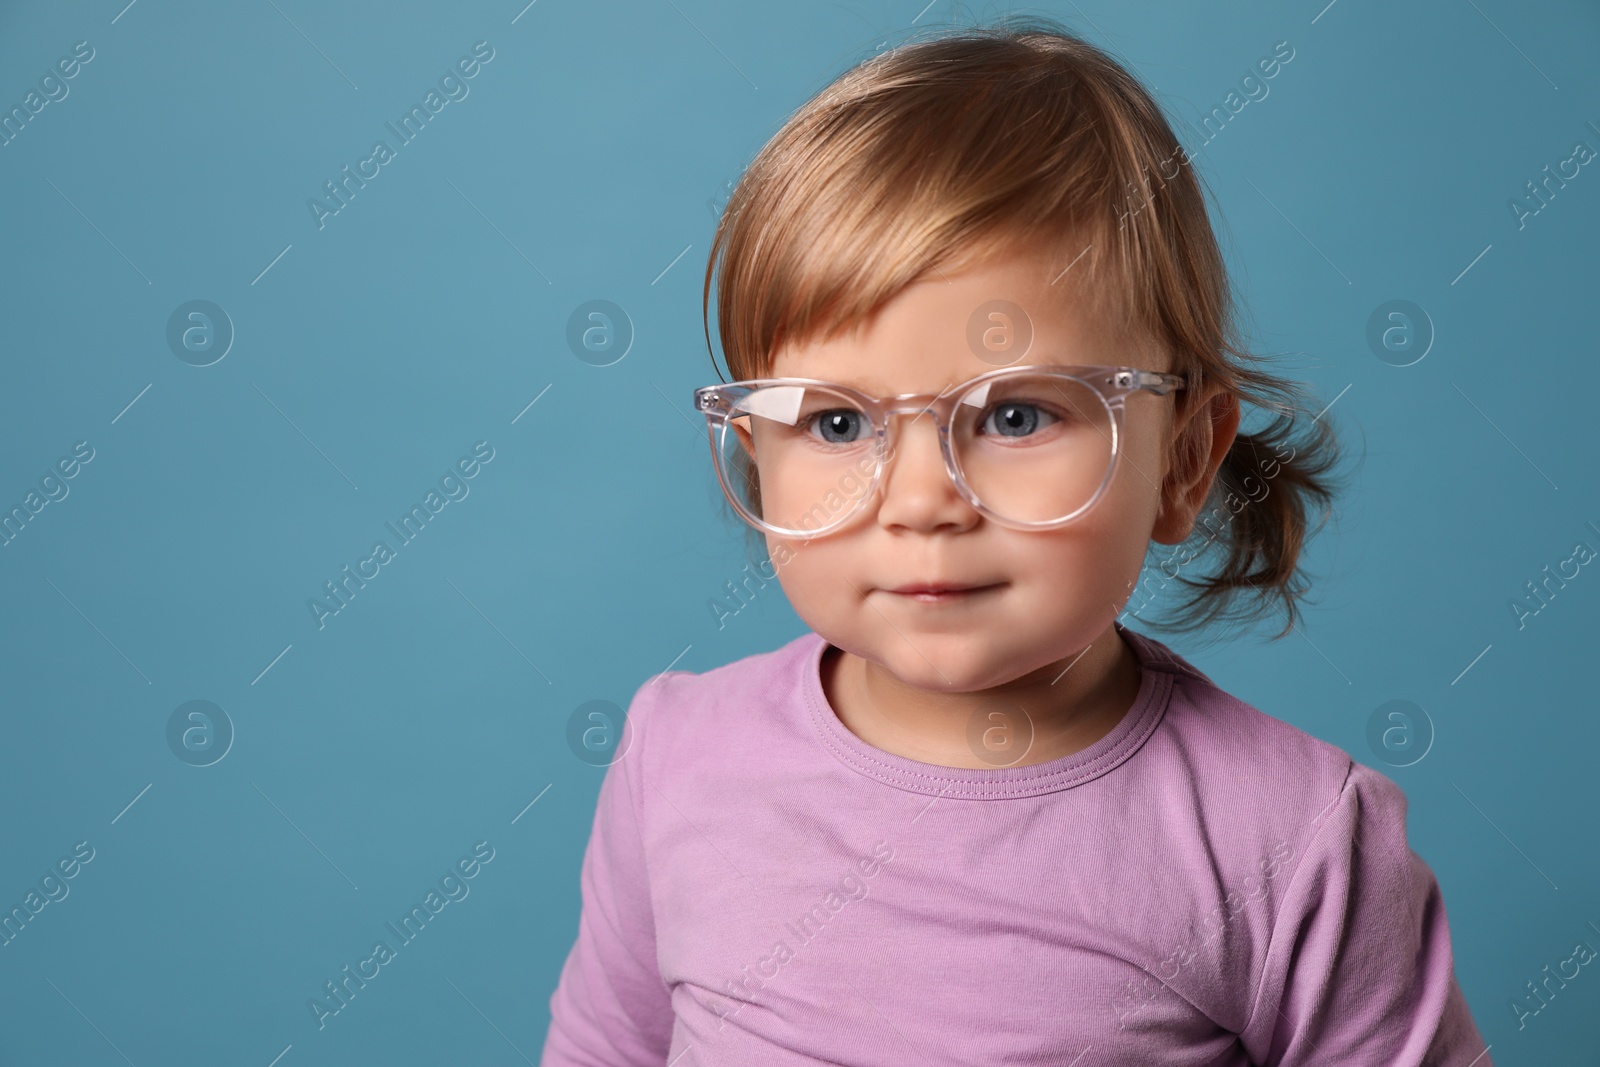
(946,664)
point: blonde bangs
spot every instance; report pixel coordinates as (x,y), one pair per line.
(928,158)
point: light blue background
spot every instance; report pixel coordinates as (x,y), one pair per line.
(424,317)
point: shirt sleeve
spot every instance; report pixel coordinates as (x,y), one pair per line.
(610,1007)
(1359,967)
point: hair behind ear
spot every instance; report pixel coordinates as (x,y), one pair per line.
(1270,488)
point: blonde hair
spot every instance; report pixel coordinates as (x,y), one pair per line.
(945,150)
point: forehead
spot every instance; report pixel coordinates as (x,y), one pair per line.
(951,325)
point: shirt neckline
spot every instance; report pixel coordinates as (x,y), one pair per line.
(996,783)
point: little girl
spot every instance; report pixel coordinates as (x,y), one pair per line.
(984,356)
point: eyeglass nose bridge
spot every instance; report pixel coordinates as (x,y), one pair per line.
(917,405)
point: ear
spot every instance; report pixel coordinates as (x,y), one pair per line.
(1201,438)
(740,424)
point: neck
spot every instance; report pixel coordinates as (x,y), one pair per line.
(1054,711)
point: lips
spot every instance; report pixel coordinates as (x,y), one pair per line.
(943,592)
(935,588)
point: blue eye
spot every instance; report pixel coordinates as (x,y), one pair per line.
(1016,420)
(840,426)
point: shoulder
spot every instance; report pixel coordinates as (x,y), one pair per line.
(1239,741)
(1272,781)
(683,716)
(752,675)
(1265,787)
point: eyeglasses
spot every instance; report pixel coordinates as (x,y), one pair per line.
(1031,447)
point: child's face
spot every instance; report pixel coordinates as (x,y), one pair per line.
(1054,591)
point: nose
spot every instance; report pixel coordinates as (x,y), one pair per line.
(917,492)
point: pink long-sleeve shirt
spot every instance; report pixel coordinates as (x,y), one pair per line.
(1204,885)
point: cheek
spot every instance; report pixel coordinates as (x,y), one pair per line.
(1133,499)
(1089,564)
(811,574)
(1122,531)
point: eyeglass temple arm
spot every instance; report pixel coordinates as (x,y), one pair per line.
(1153,381)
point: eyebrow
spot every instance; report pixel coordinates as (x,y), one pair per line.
(945,389)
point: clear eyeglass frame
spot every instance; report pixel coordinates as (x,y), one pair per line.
(1113,385)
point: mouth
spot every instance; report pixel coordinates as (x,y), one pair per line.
(942,592)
